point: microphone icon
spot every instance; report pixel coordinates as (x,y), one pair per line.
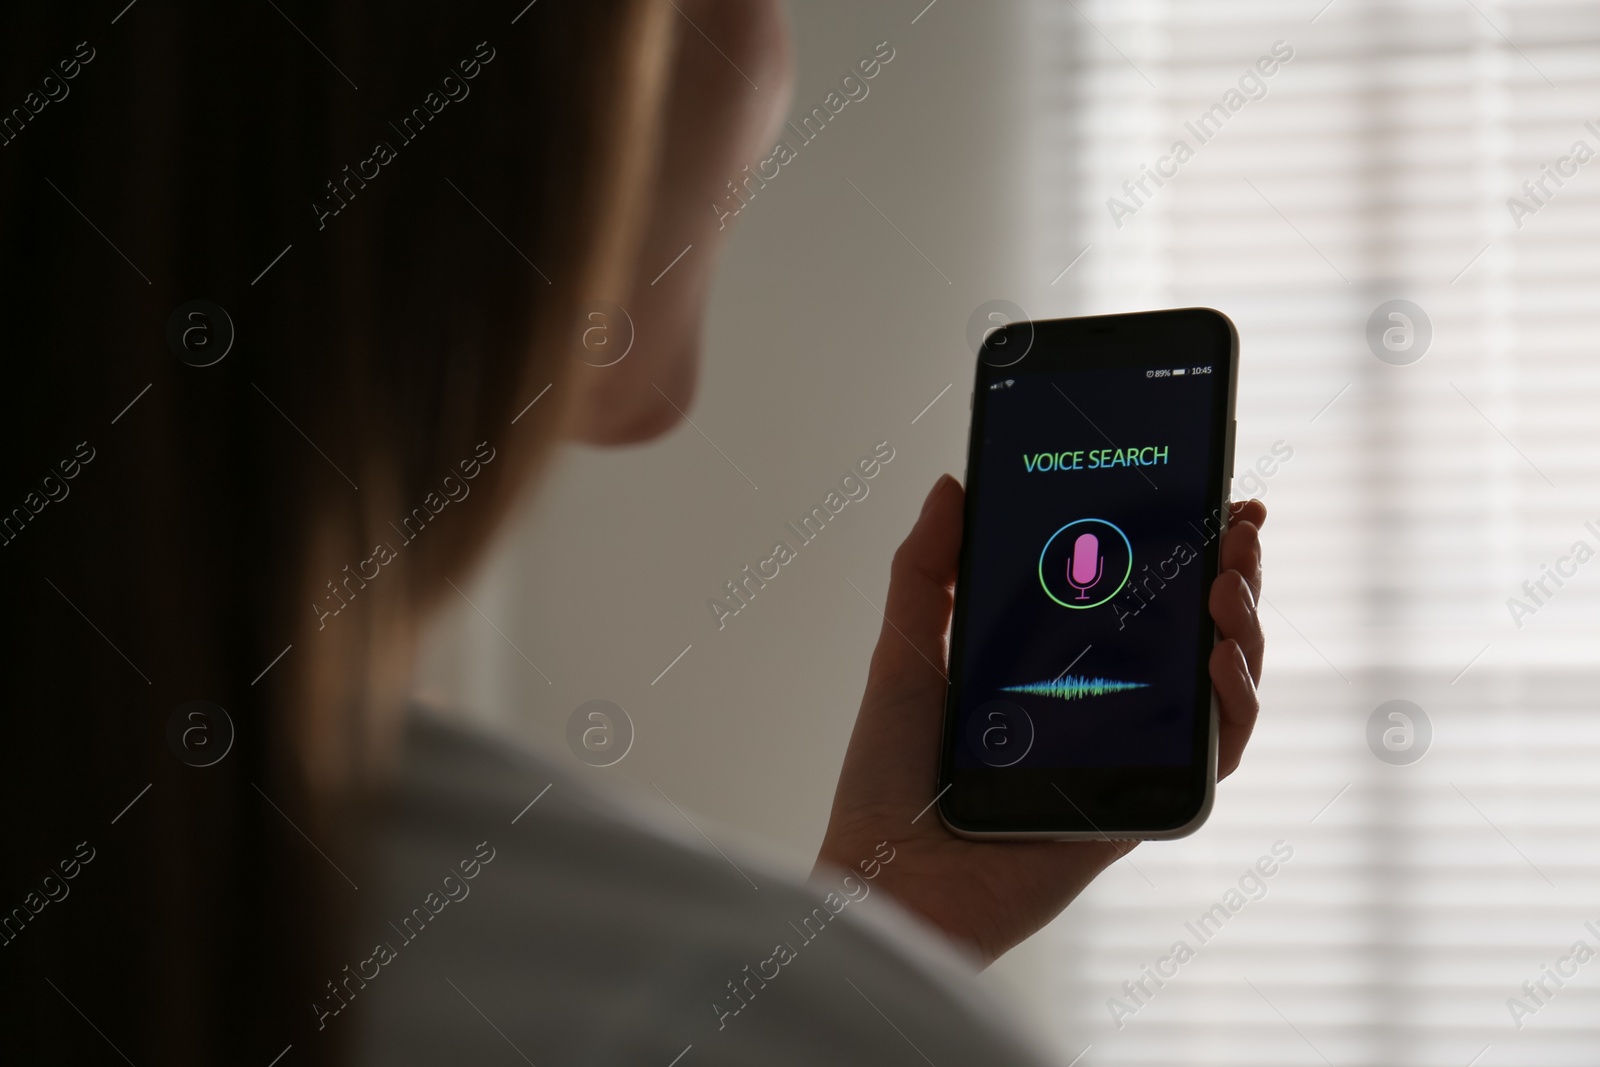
(1085,566)
(1097,566)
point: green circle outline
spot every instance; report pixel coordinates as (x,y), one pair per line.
(1108,596)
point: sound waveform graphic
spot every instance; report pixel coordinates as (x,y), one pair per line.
(1075,687)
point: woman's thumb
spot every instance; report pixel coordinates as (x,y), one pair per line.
(922,579)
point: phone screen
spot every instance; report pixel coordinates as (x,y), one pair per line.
(1095,505)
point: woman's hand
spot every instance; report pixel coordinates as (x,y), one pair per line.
(990,896)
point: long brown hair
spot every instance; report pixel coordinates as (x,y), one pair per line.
(400,210)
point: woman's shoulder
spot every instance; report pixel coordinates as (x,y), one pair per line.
(520,907)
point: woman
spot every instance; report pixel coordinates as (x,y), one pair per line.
(396,215)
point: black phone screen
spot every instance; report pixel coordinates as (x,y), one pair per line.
(1094,512)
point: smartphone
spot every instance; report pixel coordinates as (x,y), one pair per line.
(1098,471)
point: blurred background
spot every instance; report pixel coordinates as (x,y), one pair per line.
(1432,874)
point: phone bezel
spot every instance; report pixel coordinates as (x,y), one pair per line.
(1066,344)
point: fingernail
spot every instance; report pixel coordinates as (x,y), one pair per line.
(938,487)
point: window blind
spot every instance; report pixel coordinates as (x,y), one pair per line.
(1383,159)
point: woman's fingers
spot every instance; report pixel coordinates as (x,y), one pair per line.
(1241,545)
(1236,698)
(916,616)
(1236,661)
(1251,511)
(1233,609)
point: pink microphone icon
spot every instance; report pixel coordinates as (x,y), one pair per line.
(1085,565)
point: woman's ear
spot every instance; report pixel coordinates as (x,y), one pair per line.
(731,82)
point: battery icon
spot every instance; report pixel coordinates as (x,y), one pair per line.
(1177,371)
